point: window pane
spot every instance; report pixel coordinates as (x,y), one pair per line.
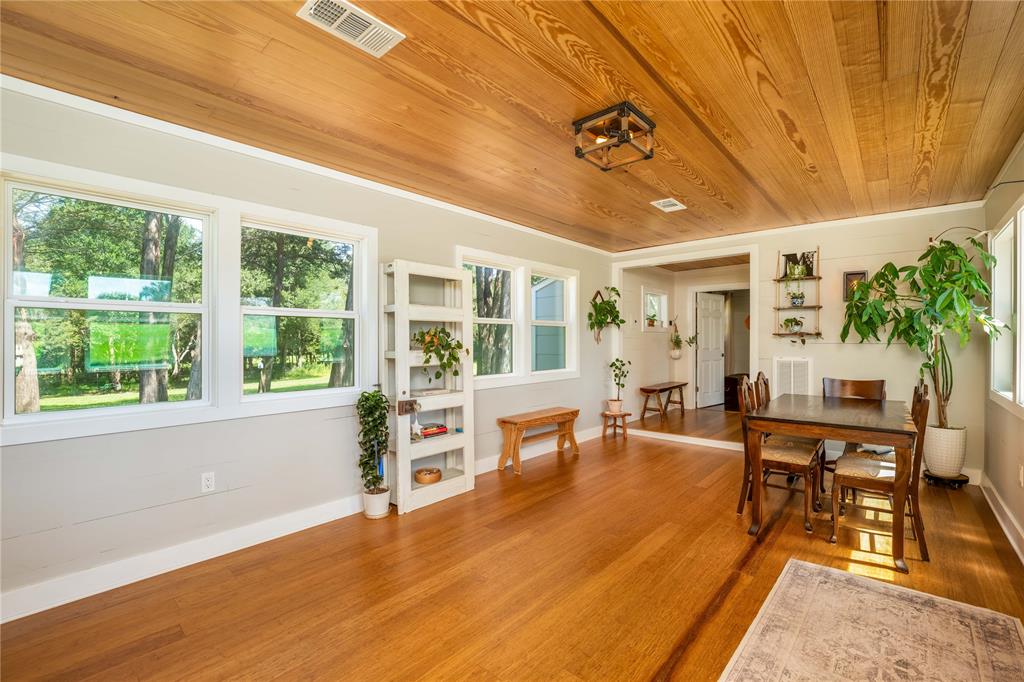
(1002,308)
(87,249)
(76,359)
(548,298)
(548,348)
(652,305)
(492,292)
(292,353)
(492,349)
(293,271)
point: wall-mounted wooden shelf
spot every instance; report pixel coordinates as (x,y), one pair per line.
(799,307)
(801,334)
(813,293)
(798,279)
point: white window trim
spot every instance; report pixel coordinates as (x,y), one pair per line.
(222,397)
(658,328)
(522,318)
(1013,402)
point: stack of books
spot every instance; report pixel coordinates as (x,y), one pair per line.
(434,429)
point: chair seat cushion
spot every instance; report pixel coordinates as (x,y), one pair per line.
(864,452)
(790,449)
(863,467)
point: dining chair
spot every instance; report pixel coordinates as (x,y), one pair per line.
(877,473)
(868,389)
(791,455)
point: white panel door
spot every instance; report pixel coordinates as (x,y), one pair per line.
(710,349)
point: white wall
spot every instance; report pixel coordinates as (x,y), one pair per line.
(646,348)
(737,352)
(73,504)
(1005,430)
(858,244)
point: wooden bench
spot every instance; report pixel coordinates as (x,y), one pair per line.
(514,429)
(656,390)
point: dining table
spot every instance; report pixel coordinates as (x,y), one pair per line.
(853,420)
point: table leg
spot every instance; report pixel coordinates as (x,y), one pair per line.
(661,405)
(643,412)
(561,437)
(604,426)
(904,461)
(506,437)
(756,479)
(625,435)
(517,464)
(571,434)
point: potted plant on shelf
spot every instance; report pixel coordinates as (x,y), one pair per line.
(440,350)
(372,410)
(652,320)
(604,312)
(920,305)
(796,297)
(793,325)
(620,370)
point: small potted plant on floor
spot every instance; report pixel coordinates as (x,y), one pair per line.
(620,370)
(372,410)
(944,293)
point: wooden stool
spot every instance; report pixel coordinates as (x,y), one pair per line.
(514,428)
(656,390)
(612,419)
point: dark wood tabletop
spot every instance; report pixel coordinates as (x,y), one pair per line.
(845,413)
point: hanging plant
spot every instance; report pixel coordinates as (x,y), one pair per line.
(440,349)
(372,410)
(604,312)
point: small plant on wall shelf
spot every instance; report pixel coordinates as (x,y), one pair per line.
(440,349)
(604,312)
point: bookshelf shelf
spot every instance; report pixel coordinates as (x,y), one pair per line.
(785,284)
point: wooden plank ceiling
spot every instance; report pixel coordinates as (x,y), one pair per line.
(767,113)
(720,262)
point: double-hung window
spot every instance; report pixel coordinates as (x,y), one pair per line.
(106,306)
(524,319)
(1007,353)
(298,311)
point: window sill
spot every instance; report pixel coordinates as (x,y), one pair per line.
(505,380)
(50,426)
(1006,402)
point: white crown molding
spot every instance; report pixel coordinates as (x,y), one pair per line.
(29,599)
(44,93)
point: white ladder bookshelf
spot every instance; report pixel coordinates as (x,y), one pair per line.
(420,296)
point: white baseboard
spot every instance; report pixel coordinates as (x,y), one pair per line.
(688,440)
(24,601)
(1011,527)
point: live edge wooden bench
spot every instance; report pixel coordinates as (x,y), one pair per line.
(656,390)
(514,431)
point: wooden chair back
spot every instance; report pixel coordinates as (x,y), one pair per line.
(870,389)
(764,393)
(919,413)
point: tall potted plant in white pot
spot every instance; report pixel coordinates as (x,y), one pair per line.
(943,294)
(372,410)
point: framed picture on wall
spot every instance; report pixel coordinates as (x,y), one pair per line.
(850,280)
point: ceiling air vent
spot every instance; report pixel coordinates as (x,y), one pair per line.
(346,21)
(668,205)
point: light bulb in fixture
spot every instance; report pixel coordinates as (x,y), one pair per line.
(601,139)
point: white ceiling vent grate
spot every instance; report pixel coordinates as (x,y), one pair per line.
(668,205)
(351,24)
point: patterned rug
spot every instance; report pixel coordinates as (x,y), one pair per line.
(820,623)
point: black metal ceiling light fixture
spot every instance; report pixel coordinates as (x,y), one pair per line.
(616,136)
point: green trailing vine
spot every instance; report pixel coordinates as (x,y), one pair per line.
(440,348)
(604,312)
(372,410)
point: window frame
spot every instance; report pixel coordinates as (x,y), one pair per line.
(1014,401)
(663,310)
(12,301)
(514,306)
(222,399)
(523,319)
(319,313)
(534,322)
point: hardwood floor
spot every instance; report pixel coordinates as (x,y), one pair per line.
(626,562)
(707,422)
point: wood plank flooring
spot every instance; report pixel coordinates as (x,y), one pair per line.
(707,422)
(625,562)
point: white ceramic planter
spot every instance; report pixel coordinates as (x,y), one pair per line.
(614,406)
(675,353)
(376,506)
(945,451)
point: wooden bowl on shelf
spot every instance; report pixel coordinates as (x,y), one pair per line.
(428,475)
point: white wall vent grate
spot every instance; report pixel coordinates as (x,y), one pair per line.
(346,21)
(791,375)
(668,205)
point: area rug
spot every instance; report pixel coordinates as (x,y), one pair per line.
(820,623)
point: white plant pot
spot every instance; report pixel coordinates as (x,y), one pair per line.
(675,353)
(614,406)
(376,505)
(945,451)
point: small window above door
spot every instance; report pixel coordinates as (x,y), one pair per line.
(654,305)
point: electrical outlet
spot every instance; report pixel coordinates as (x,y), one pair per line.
(208,483)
